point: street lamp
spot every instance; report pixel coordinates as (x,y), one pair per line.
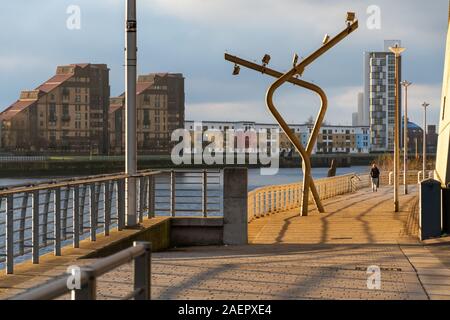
(397,50)
(130,112)
(405,84)
(424,164)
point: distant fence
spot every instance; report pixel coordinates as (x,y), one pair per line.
(274,199)
(413,177)
(41,218)
(23,158)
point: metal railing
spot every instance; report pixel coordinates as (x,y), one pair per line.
(274,199)
(41,218)
(414,177)
(22,158)
(82,284)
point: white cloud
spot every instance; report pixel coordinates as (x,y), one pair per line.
(228,111)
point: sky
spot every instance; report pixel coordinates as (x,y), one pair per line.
(191,36)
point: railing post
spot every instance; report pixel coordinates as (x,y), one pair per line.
(10,234)
(142,272)
(257,197)
(35,227)
(82,206)
(107,198)
(172,193)
(205,193)
(141,199)
(57,222)
(120,204)
(64,212)
(88,289)
(45,217)
(23,216)
(151,196)
(92,220)
(76,217)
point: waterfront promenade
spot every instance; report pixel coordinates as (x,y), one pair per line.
(322,256)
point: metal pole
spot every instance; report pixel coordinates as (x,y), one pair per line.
(35,227)
(9,239)
(88,289)
(130,112)
(406,84)
(424,160)
(417,149)
(57,223)
(396,134)
(76,216)
(142,272)
(397,51)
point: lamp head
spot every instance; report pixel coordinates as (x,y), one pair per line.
(351,17)
(406,83)
(236,70)
(295,60)
(266,59)
(397,50)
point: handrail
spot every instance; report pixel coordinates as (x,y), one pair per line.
(140,253)
(36,219)
(72,182)
(279,198)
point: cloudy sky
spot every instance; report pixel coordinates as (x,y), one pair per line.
(191,36)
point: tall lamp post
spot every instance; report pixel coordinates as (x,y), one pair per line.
(397,50)
(424,163)
(130,112)
(405,84)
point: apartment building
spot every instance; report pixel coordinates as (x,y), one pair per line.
(379,96)
(341,139)
(67,113)
(160,110)
(332,139)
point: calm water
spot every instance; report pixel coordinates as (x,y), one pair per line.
(286,176)
(255,180)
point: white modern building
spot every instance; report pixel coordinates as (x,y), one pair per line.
(379,96)
(331,139)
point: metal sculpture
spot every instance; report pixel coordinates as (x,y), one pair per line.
(291,77)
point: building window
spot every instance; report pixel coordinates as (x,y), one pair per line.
(52,112)
(146,121)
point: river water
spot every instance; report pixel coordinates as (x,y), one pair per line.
(255,179)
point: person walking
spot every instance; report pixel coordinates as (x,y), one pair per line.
(375,176)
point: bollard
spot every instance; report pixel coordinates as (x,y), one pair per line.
(445,211)
(430,209)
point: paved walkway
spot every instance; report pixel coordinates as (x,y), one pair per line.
(323,256)
(363,218)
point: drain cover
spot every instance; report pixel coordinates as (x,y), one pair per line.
(382,269)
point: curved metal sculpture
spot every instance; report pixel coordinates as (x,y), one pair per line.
(308,182)
(290,76)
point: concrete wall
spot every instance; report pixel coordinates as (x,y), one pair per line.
(235,218)
(196,232)
(232,229)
